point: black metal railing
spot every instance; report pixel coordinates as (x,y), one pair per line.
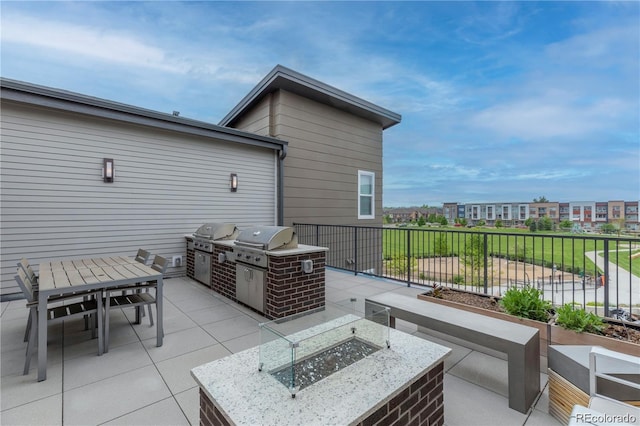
(597,272)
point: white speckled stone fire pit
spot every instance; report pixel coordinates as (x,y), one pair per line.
(403,382)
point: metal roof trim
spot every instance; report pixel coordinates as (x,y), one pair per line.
(74,102)
(284,78)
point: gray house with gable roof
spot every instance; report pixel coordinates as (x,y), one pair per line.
(333,168)
(303,151)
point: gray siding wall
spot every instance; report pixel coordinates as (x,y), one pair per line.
(257,119)
(326,149)
(55,204)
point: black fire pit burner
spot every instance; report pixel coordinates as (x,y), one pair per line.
(318,366)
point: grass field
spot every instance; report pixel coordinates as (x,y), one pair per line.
(627,261)
(565,250)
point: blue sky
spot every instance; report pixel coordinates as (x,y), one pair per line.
(500,101)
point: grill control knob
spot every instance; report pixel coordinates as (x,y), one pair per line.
(248,256)
(257,258)
(239,255)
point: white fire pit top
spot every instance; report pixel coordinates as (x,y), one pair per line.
(246,396)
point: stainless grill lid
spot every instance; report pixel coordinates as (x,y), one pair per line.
(267,237)
(217,231)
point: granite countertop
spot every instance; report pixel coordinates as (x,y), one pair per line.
(248,396)
(301,249)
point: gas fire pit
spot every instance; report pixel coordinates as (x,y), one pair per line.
(400,382)
(303,349)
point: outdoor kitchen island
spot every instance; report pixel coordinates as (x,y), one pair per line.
(263,268)
(400,384)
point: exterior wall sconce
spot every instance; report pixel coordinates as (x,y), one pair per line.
(108,170)
(233,183)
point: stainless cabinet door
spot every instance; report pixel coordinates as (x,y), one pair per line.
(250,286)
(202,268)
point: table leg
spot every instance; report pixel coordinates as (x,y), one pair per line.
(100,314)
(159,319)
(42,337)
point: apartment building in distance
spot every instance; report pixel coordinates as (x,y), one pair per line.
(585,215)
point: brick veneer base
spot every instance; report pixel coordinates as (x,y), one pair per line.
(419,403)
(209,413)
(289,290)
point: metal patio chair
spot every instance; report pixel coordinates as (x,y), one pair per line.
(142,256)
(136,298)
(56,314)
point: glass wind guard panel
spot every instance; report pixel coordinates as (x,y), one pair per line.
(276,351)
(302,349)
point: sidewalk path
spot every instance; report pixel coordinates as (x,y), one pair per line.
(624,287)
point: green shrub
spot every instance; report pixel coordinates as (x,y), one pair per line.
(458,279)
(398,265)
(578,320)
(526,303)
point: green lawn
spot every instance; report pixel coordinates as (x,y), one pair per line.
(565,250)
(624,261)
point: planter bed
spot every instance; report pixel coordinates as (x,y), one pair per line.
(550,334)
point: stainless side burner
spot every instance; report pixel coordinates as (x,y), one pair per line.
(203,240)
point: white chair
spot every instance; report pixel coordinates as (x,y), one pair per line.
(614,367)
(56,314)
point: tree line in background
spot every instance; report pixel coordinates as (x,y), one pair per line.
(541,224)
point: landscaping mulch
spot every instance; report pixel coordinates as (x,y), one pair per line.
(614,331)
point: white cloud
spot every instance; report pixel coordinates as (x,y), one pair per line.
(105,45)
(546,117)
(599,48)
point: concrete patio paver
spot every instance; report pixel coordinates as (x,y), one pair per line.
(115,396)
(139,383)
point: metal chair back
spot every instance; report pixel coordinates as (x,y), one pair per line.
(26,267)
(25,285)
(142,256)
(160,264)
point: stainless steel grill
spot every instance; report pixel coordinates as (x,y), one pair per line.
(204,237)
(203,240)
(252,243)
(267,237)
(252,262)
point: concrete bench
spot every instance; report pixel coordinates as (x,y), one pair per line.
(519,342)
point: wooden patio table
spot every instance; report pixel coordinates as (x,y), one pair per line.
(79,275)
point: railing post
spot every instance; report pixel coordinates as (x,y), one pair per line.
(408,258)
(317,235)
(355,250)
(486,264)
(605,278)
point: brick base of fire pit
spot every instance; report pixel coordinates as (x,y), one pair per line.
(420,403)
(406,389)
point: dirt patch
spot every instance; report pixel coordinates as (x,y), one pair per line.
(614,331)
(486,302)
(500,271)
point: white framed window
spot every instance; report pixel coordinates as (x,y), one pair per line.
(366,194)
